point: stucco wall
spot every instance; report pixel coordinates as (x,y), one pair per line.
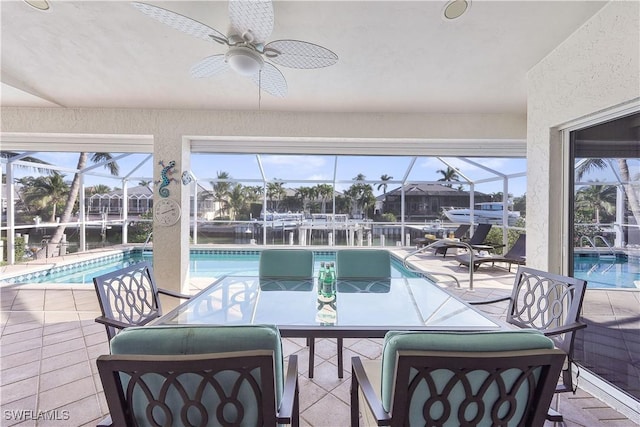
(263,124)
(596,68)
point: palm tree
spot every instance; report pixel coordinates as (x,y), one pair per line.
(74,190)
(313,197)
(221,190)
(237,200)
(384,178)
(361,195)
(275,191)
(449,175)
(324,191)
(144,183)
(254,192)
(45,192)
(596,199)
(304,193)
(632,197)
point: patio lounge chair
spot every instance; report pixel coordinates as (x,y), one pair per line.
(515,255)
(550,303)
(129,297)
(458,233)
(464,379)
(199,376)
(476,240)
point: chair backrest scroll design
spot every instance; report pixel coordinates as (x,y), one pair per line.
(128,295)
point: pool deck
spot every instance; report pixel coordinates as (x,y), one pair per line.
(49,343)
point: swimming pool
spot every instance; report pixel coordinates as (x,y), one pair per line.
(202,263)
(608,272)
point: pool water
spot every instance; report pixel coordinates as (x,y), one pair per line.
(208,264)
(607,272)
(600,272)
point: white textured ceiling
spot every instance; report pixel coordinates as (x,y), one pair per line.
(394,56)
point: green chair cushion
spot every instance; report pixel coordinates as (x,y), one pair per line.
(286,263)
(182,340)
(452,342)
(363,263)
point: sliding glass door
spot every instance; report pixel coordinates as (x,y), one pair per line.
(605,247)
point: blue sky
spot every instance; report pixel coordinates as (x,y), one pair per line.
(295,169)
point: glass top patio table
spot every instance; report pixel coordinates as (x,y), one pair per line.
(356,308)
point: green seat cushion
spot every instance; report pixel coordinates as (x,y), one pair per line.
(183,340)
(452,342)
(286,263)
(363,263)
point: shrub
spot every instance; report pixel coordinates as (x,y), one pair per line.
(139,231)
(388,217)
(495,237)
(20,249)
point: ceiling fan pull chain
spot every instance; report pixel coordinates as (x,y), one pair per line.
(259,89)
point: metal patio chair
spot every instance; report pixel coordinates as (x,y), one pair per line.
(361,265)
(199,376)
(552,304)
(129,297)
(288,270)
(462,379)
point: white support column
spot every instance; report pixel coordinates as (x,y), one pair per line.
(11,217)
(195,211)
(505,212)
(620,197)
(171,244)
(402,211)
(125,210)
(472,202)
(82,217)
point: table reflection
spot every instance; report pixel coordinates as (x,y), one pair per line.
(350,305)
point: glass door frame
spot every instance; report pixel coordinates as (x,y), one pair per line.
(568,172)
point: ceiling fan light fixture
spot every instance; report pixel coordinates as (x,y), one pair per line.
(454,9)
(244,61)
(41,5)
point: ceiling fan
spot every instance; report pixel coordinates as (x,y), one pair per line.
(247,54)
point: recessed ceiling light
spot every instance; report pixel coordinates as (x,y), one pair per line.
(455,8)
(38,4)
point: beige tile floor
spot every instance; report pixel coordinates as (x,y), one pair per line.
(49,343)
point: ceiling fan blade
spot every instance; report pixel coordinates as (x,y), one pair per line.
(209,66)
(299,54)
(271,80)
(255,16)
(181,23)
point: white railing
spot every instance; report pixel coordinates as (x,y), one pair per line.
(442,243)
